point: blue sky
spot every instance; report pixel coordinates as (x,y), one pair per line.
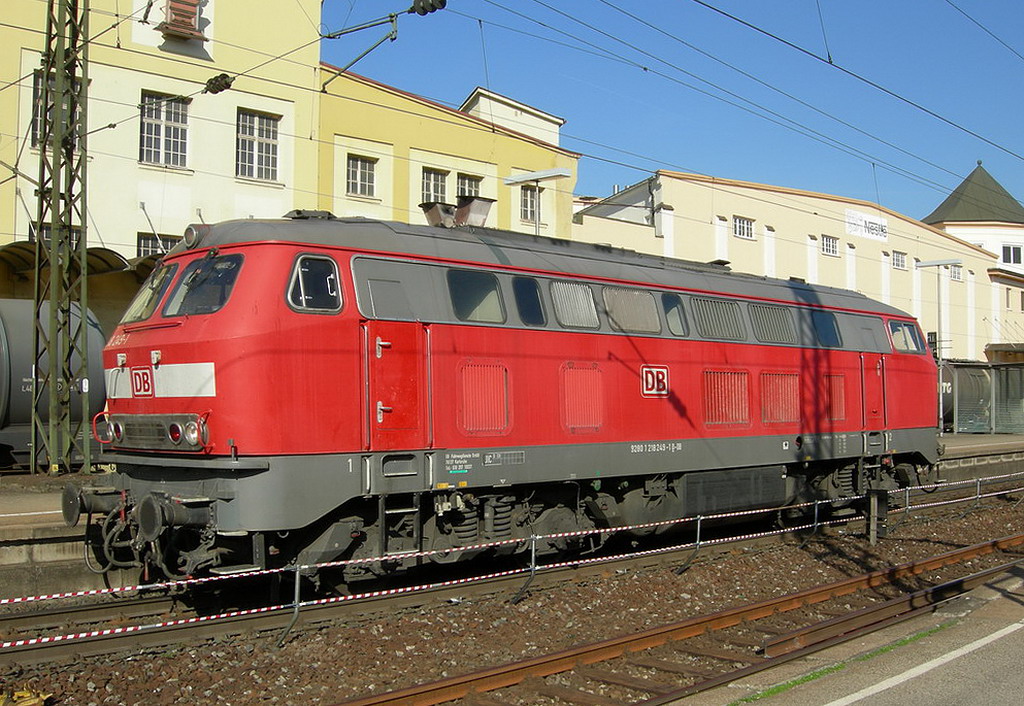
(671,84)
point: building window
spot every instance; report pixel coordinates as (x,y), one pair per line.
(38,107)
(956,273)
(256,146)
(163,129)
(1011,254)
(529,204)
(434,185)
(181,20)
(76,234)
(468,185)
(153,244)
(361,172)
(743,227)
(899,260)
(830,245)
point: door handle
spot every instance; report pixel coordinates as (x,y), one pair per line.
(381,410)
(381,345)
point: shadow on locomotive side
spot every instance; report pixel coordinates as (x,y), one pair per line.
(314,388)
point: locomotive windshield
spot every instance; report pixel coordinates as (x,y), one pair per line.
(147,299)
(205,285)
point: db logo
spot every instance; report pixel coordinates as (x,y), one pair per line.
(142,382)
(654,380)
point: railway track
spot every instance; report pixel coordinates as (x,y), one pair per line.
(660,665)
(53,634)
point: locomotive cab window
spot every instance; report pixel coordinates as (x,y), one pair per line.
(205,285)
(826,329)
(148,297)
(905,337)
(528,302)
(631,310)
(672,304)
(475,296)
(314,285)
(574,305)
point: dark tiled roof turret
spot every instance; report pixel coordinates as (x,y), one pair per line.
(978,198)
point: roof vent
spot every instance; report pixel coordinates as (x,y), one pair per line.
(305,214)
(439,214)
(472,210)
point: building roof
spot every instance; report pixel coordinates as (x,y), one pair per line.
(480,93)
(358,78)
(979,198)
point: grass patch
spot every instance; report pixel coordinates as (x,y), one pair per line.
(840,666)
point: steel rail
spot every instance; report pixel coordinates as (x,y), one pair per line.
(255,621)
(567,660)
(122,609)
(829,633)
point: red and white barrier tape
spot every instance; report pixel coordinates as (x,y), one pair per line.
(164,585)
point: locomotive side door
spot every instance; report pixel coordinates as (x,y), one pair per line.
(873,388)
(396,393)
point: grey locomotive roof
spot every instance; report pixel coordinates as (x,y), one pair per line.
(504,248)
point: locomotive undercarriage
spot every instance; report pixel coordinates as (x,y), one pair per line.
(178,536)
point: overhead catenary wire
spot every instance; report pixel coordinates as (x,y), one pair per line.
(134,115)
(985,29)
(796,127)
(753,108)
(776,89)
(863,79)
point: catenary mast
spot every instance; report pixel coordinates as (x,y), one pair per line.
(60,413)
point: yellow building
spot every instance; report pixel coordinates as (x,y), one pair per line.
(385,151)
(162,152)
(822,239)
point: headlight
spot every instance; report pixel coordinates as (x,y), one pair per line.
(192,433)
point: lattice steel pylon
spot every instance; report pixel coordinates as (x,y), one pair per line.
(60,381)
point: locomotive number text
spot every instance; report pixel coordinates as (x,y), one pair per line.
(656,447)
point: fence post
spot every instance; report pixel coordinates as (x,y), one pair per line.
(696,549)
(878,509)
(533,571)
(295,609)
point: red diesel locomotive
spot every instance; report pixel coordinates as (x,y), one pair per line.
(318,388)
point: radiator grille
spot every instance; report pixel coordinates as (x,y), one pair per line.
(726,398)
(780,397)
(582,397)
(484,394)
(835,393)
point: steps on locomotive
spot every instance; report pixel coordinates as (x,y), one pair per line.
(401,509)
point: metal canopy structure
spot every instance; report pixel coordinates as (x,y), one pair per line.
(60,371)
